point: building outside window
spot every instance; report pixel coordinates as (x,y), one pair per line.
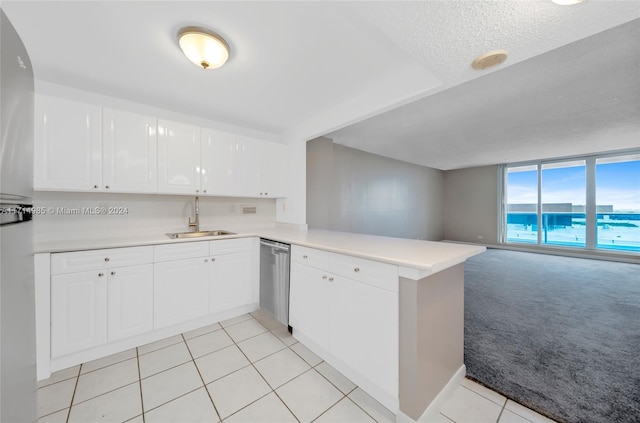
(591,202)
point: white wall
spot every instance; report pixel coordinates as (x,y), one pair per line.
(146,215)
(354,191)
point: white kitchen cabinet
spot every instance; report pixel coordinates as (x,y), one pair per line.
(181,291)
(364,331)
(129,152)
(87,148)
(178,158)
(272,176)
(129,301)
(81,261)
(193,279)
(99,296)
(346,309)
(67,145)
(262,167)
(220,166)
(230,281)
(310,303)
(78,311)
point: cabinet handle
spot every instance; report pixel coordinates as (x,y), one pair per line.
(330,279)
(95,186)
(356,269)
(205,191)
(107,186)
(206,260)
(266,193)
(113,273)
(197,190)
(304,257)
(324,276)
(100,274)
(213,259)
(107,259)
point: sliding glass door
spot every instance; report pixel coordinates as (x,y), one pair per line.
(618,202)
(591,202)
(563,193)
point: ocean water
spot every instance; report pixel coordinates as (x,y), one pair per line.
(621,235)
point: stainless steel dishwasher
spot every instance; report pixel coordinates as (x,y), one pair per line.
(274,279)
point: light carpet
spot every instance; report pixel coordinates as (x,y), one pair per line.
(559,335)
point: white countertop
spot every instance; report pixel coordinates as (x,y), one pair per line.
(426,257)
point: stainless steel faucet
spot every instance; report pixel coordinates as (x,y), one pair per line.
(196,222)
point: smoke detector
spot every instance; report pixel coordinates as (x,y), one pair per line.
(489,59)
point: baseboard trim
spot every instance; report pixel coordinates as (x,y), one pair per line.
(431,412)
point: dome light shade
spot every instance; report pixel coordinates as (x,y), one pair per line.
(203,47)
(567,2)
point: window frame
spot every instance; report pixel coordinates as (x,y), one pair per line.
(590,202)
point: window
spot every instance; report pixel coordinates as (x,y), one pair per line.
(564,203)
(618,202)
(522,204)
(592,202)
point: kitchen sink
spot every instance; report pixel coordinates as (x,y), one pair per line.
(198,234)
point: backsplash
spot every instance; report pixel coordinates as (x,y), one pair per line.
(71,215)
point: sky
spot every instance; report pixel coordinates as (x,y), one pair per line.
(616,183)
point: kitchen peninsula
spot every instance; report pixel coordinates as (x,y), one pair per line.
(388,311)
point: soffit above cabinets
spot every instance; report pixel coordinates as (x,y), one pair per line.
(297,69)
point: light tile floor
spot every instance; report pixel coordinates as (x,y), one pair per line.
(246,369)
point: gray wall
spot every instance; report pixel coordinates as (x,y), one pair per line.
(353,191)
(471,205)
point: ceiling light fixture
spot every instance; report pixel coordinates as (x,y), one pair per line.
(203,47)
(489,59)
(567,2)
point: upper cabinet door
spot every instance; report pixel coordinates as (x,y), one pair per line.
(262,164)
(272,170)
(220,166)
(67,147)
(178,158)
(129,147)
(249,150)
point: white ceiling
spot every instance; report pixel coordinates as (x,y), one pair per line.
(304,69)
(578,99)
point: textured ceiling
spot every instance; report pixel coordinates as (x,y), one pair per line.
(578,99)
(304,69)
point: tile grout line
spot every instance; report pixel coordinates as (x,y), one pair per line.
(320,373)
(332,384)
(204,385)
(501,410)
(274,391)
(478,393)
(339,390)
(140,385)
(75,388)
(330,407)
(258,371)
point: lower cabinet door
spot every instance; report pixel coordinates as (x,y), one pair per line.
(309,304)
(78,311)
(364,331)
(230,284)
(180,291)
(130,301)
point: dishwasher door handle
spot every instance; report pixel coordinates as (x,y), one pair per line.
(276,246)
